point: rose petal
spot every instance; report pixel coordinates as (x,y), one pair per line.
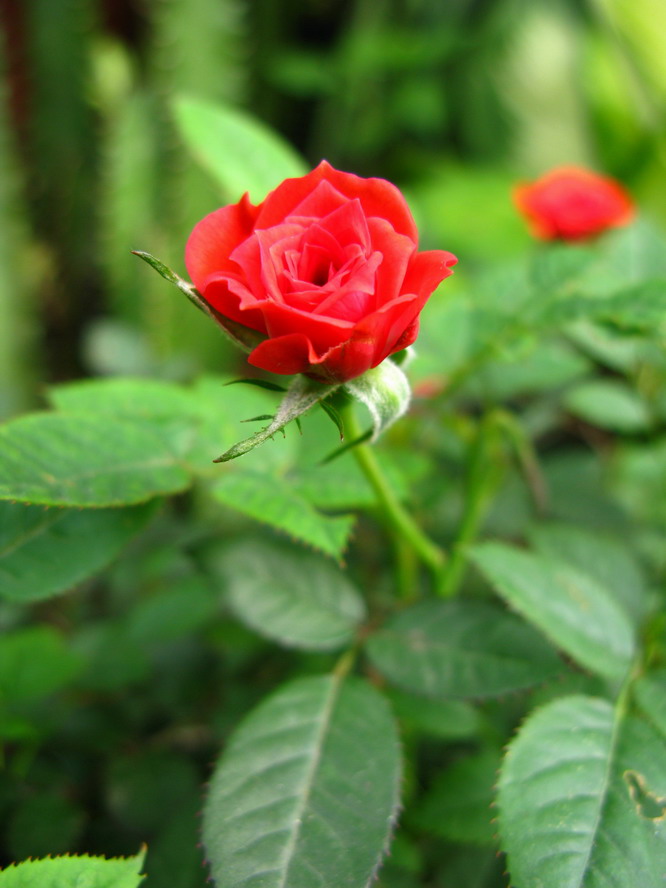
(377,196)
(212,240)
(396,250)
(285,354)
(427,270)
(323,332)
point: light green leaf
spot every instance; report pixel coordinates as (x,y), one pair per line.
(458,805)
(307,790)
(582,799)
(607,559)
(301,396)
(608,404)
(293,597)
(460,649)
(650,694)
(274,501)
(68,872)
(46,551)
(240,152)
(385,392)
(34,662)
(570,607)
(81,460)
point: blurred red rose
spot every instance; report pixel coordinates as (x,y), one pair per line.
(326,267)
(573,204)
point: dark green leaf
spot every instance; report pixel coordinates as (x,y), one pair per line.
(458,805)
(35,662)
(460,649)
(291,596)
(307,789)
(46,551)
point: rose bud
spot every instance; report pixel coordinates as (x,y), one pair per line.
(326,268)
(571,203)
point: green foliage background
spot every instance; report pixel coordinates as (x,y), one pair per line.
(539,420)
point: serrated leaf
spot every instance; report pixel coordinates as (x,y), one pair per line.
(293,597)
(240,152)
(570,607)
(460,649)
(582,798)
(609,560)
(47,551)
(385,392)
(301,396)
(307,790)
(609,404)
(80,460)
(66,872)
(458,805)
(274,501)
(445,719)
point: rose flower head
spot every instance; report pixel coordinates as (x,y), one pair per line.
(326,268)
(571,203)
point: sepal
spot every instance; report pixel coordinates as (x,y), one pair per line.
(385,392)
(241,336)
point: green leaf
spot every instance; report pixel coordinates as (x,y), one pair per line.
(274,501)
(582,799)
(460,649)
(302,394)
(307,790)
(83,871)
(650,694)
(609,404)
(445,719)
(570,607)
(241,336)
(240,152)
(47,551)
(35,662)
(385,392)
(638,308)
(458,805)
(607,559)
(80,460)
(293,597)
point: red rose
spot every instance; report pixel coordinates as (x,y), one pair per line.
(326,267)
(573,204)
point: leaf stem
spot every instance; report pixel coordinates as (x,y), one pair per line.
(403,527)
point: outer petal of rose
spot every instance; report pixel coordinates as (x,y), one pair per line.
(378,198)
(226,296)
(322,332)
(286,354)
(427,270)
(396,250)
(214,238)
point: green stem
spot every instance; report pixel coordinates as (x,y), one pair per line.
(401,523)
(482,476)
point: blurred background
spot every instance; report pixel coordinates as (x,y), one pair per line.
(453,100)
